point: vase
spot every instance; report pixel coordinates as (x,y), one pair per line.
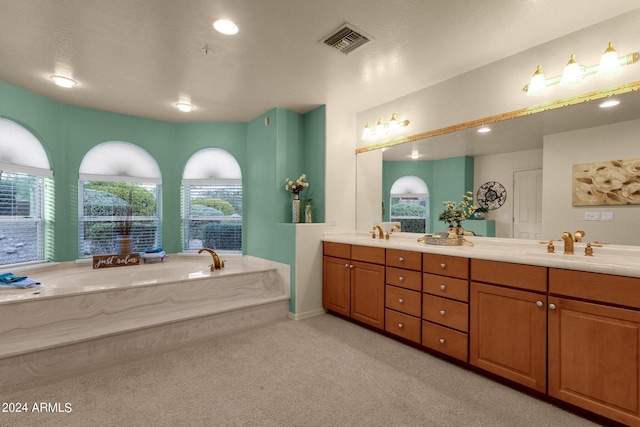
(479,215)
(295,209)
(307,214)
(459,229)
(124,244)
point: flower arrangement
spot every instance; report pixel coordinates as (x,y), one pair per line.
(458,212)
(295,187)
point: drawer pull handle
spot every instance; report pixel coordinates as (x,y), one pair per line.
(443,287)
(401,279)
(400,325)
(401,259)
(552,306)
(443,265)
(400,300)
(539,304)
(442,312)
(442,340)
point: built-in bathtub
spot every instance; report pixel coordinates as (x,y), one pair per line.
(80,316)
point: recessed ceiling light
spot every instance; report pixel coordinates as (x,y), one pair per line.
(484,129)
(225,26)
(609,103)
(63,81)
(183,106)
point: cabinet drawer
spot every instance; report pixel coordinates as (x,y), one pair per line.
(527,277)
(402,325)
(446,287)
(445,340)
(598,287)
(446,265)
(404,259)
(445,312)
(338,250)
(367,254)
(404,278)
(404,300)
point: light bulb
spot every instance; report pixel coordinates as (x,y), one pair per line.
(609,62)
(572,74)
(538,84)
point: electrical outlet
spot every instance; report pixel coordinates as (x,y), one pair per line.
(592,216)
(607,216)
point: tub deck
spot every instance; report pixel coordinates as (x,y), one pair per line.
(116,312)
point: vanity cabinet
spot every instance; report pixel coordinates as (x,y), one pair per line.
(508,321)
(403,303)
(594,343)
(445,305)
(353,282)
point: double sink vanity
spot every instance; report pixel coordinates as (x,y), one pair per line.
(565,326)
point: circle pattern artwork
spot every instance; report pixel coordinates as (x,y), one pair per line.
(491,195)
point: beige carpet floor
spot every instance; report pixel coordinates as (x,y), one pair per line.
(321,371)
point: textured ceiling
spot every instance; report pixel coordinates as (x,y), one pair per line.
(140,57)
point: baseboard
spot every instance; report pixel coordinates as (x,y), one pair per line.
(307,314)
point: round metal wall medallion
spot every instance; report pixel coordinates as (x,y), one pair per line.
(491,195)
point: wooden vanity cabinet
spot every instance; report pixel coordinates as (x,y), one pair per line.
(594,347)
(445,308)
(403,291)
(508,321)
(353,282)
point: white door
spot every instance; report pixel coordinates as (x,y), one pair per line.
(527,204)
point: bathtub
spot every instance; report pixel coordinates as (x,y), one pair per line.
(99,315)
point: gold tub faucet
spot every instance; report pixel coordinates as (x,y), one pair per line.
(578,235)
(217,263)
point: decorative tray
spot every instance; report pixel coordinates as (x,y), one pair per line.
(443,240)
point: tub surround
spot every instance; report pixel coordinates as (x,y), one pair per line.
(609,259)
(100,315)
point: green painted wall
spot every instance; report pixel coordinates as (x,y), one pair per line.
(446,179)
(290,144)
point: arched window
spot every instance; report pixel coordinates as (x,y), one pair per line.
(120,187)
(410,204)
(26,187)
(212,201)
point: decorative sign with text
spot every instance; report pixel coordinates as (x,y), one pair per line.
(116,260)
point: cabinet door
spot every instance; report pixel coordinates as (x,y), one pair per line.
(367,293)
(336,285)
(508,334)
(594,357)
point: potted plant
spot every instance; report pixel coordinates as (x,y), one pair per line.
(457,213)
(124,224)
(481,212)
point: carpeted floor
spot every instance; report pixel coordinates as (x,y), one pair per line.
(321,371)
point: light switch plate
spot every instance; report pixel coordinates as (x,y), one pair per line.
(592,216)
(607,216)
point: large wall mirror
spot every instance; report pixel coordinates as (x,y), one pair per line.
(551,141)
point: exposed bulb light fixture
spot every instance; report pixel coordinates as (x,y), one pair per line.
(63,81)
(574,73)
(184,107)
(382,128)
(224,26)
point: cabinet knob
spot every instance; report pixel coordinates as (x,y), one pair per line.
(442,340)
(442,312)
(443,287)
(400,325)
(350,265)
(401,259)
(443,265)
(539,304)
(401,279)
(552,306)
(400,300)
(346,265)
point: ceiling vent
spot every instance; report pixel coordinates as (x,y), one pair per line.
(346,38)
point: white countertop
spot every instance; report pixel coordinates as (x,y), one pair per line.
(609,259)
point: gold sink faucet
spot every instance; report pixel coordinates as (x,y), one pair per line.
(568,242)
(578,235)
(380,230)
(217,263)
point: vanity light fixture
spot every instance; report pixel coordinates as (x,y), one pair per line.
(382,128)
(225,26)
(184,107)
(63,81)
(574,73)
